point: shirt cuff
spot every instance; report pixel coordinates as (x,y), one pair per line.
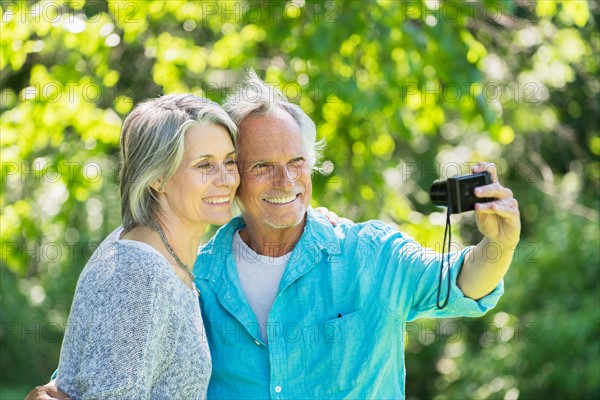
(464,305)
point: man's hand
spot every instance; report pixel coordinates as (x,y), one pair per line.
(498,220)
(500,224)
(48,392)
(333,218)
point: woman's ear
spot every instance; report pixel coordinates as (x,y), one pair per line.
(158,186)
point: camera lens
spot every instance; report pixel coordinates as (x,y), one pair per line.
(438,193)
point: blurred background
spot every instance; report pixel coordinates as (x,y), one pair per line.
(404,92)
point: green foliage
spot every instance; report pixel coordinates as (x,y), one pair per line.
(402,91)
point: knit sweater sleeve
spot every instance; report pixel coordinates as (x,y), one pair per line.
(116,342)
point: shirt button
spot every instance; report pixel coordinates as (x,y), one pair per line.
(277,389)
(257,342)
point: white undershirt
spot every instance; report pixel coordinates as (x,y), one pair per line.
(259,276)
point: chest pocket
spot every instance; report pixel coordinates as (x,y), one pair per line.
(338,359)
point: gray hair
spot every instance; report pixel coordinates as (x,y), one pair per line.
(152,147)
(255,97)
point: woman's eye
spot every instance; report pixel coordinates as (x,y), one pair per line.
(230,164)
(205,166)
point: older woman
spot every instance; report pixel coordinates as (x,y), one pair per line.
(135,330)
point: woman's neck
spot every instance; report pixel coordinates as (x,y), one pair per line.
(184,241)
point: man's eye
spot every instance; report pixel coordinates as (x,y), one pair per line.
(260,166)
(297,162)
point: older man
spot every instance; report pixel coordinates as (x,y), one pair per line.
(295,308)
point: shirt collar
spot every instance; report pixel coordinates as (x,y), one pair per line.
(211,260)
(319,232)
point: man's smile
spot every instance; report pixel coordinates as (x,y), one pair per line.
(281,199)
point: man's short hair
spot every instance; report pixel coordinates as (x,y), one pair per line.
(255,97)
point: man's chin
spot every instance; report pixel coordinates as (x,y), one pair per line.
(284,222)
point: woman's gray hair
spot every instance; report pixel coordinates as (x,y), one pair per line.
(152,147)
(255,97)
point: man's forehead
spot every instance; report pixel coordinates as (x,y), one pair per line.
(281,152)
(270,137)
(279,118)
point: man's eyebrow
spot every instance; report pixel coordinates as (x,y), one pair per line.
(259,162)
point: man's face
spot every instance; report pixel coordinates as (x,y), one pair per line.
(276,186)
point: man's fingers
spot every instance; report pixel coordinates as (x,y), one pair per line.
(504,209)
(486,166)
(46,393)
(333,218)
(55,393)
(495,190)
(510,202)
(43,393)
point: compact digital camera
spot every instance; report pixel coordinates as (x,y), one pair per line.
(457,193)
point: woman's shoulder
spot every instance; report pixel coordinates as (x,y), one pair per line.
(126,263)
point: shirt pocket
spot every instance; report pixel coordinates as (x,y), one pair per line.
(338,359)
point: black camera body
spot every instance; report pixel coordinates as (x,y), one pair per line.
(457,193)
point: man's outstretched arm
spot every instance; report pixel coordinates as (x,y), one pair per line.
(500,224)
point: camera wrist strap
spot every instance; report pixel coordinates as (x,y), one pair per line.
(447,232)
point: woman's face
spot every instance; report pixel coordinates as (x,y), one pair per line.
(203,188)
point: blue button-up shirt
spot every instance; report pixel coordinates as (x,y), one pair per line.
(336,328)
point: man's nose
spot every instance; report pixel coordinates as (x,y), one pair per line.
(284,176)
